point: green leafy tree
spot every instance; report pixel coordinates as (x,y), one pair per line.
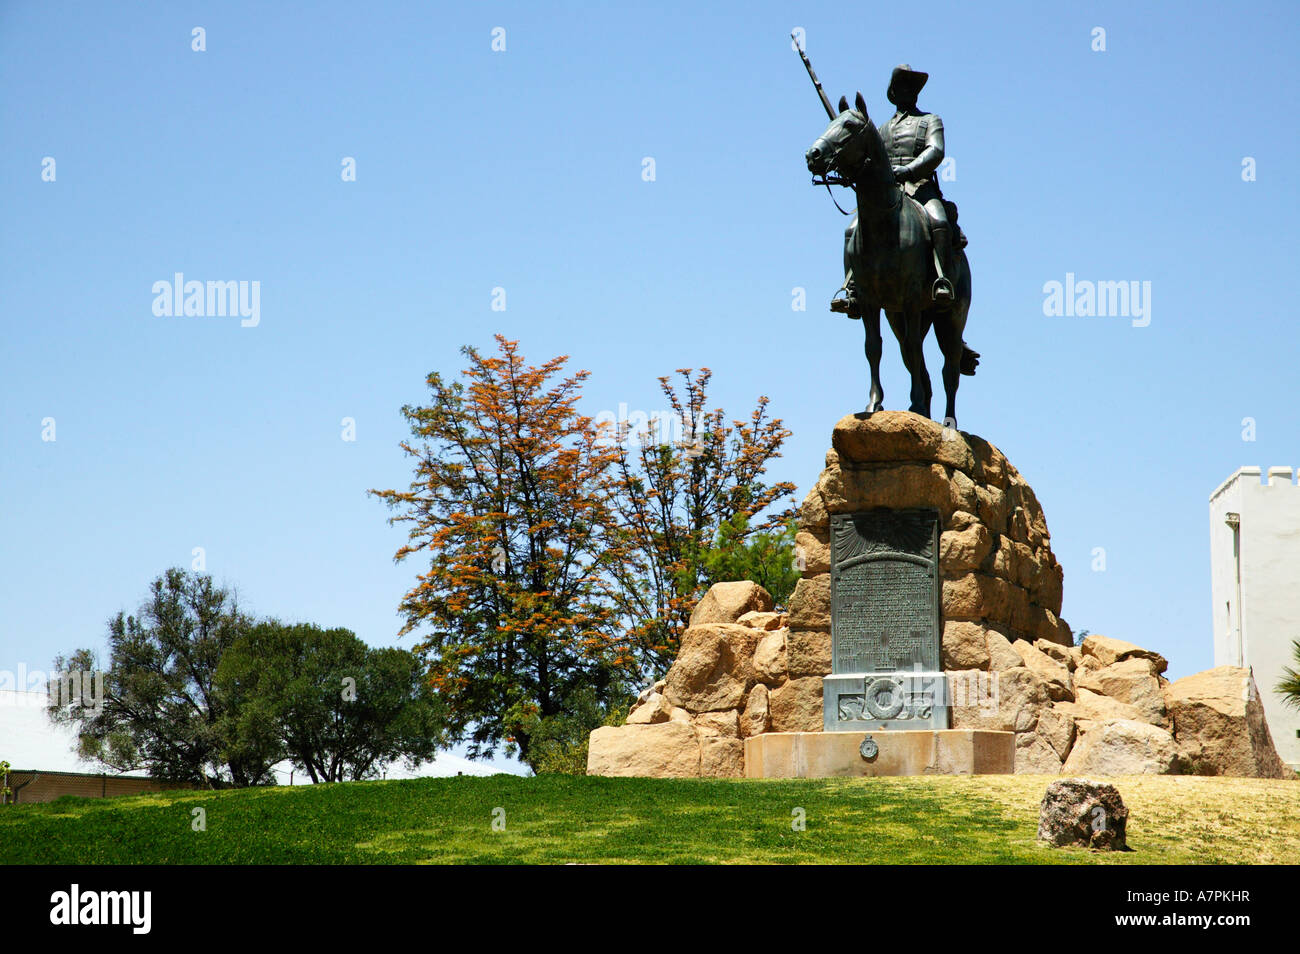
(767,557)
(559,742)
(161,709)
(1289,686)
(506,509)
(339,709)
(676,502)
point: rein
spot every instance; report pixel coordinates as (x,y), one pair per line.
(832,195)
(831,179)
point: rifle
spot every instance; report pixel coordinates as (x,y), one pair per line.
(830,111)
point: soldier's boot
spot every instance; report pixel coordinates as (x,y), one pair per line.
(848,305)
(942,291)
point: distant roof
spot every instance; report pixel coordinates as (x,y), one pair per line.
(29,740)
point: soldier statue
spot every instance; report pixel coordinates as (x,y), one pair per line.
(904,253)
(913,141)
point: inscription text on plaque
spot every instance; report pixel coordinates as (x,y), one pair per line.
(885,634)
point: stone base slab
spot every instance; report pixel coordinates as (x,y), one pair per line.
(898,752)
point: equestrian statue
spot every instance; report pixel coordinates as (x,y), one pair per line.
(903,251)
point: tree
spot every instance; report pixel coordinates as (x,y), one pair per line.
(1289,686)
(767,557)
(338,708)
(676,502)
(161,709)
(558,743)
(505,505)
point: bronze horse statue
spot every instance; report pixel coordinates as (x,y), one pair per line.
(888,251)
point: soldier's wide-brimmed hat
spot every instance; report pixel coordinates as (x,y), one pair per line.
(905,76)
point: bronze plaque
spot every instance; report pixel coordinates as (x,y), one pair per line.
(885,591)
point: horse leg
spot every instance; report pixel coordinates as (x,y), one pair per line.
(874,348)
(898,325)
(916,324)
(950,344)
(949,328)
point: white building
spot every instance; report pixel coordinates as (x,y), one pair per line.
(1255,584)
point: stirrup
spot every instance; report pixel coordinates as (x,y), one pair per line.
(845,306)
(942,290)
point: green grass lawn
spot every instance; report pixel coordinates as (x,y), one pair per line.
(557,819)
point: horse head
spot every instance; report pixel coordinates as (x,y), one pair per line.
(849,144)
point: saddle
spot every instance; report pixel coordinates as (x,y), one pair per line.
(959,237)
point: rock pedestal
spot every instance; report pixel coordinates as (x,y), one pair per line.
(997,570)
(746,669)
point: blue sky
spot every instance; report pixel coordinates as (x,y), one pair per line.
(522,169)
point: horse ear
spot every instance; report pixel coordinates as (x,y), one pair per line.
(844,103)
(860,103)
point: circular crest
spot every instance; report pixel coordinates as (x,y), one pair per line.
(885,697)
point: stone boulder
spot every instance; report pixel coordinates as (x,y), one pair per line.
(1061,654)
(664,750)
(714,667)
(722,754)
(1219,725)
(1092,707)
(1001,655)
(755,718)
(653,709)
(1132,681)
(770,657)
(1057,729)
(717,689)
(1122,747)
(1035,756)
(1109,651)
(965,646)
(721,757)
(796,705)
(728,602)
(1008,701)
(1055,675)
(1079,811)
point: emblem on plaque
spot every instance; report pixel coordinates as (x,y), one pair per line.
(885,697)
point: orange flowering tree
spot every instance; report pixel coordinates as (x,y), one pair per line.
(506,507)
(676,502)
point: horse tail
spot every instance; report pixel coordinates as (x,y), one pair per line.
(969,359)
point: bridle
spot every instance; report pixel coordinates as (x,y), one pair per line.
(830,178)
